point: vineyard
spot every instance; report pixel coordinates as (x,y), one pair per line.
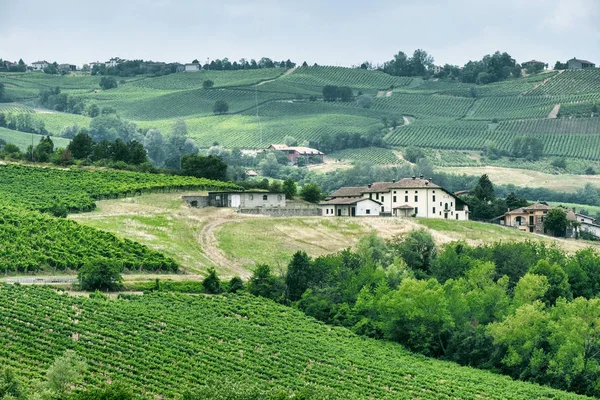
(42,189)
(160,344)
(33,242)
(23,140)
(374,155)
(445,114)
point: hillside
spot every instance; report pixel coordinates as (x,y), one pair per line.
(161,344)
(267,105)
(234,243)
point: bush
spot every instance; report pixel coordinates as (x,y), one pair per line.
(212,283)
(207,84)
(235,285)
(99,275)
(311,193)
(559,163)
(220,107)
(108,82)
(365,101)
(413,154)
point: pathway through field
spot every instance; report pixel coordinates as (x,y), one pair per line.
(554,113)
(286,73)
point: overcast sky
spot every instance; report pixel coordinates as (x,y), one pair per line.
(326,32)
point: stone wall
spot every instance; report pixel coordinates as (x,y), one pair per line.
(196,201)
(283,211)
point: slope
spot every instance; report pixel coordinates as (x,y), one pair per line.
(161,344)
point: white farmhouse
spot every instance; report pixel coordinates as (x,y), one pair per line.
(39,65)
(409,197)
(350,207)
(192,67)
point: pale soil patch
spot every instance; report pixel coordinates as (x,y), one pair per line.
(407,121)
(389,93)
(380,93)
(286,73)
(527,178)
(329,165)
(554,113)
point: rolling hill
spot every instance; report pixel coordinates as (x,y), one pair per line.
(161,344)
(267,105)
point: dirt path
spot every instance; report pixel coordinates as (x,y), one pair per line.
(286,73)
(380,93)
(554,113)
(406,121)
(389,93)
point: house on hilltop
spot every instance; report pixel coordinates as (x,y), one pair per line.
(535,64)
(527,219)
(67,68)
(408,197)
(39,65)
(192,67)
(113,62)
(295,152)
(576,63)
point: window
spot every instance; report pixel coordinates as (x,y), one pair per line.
(406,199)
(217,197)
(406,192)
(440,203)
(451,204)
(382,209)
(434,210)
(395,199)
(327,211)
(456,216)
(416,210)
(376,196)
(371,195)
(416,198)
(251,197)
(265,197)
(382,199)
(368,211)
(278,197)
(394,192)
(433,197)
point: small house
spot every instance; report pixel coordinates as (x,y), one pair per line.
(249,199)
(528,219)
(113,62)
(192,67)
(295,152)
(576,63)
(535,64)
(350,207)
(67,68)
(39,65)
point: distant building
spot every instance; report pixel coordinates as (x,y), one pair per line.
(192,67)
(67,67)
(528,219)
(350,207)
(437,69)
(533,63)
(409,197)
(576,63)
(248,199)
(251,173)
(295,152)
(39,65)
(113,62)
(95,63)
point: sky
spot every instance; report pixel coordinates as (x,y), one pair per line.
(327,32)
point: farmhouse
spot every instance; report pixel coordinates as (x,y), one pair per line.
(95,63)
(39,65)
(576,63)
(350,207)
(67,67)
(533,63)
(192,67)
(527,219)
(237,199)
(295,152)
(408,197)
(113,62)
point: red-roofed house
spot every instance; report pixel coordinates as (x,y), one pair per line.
(293,152)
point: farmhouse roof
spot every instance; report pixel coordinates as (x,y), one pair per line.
(535,207)
(346,201)
(300,149)
(40,62)
(405,183)
(404,207)
(581,61)
(348,191)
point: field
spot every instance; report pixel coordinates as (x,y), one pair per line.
(159,344)
(373,155)
(23,140)
(267,105)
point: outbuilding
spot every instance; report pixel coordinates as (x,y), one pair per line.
(350,207)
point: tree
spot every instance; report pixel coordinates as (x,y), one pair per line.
(65,372)
(1,92)
(311,193)
(220,107)
(513,201)
(208,84)
(264,284)
(298,275)
(212,283)
(330,93)
(100,275)
(345,93)
(154,143)
(556,222)
(417,249)
(289,188)
(559,163)
(365,101)
(413,154)
(557,279)
(10,387)
(210,167)
(484,190)
(108,82)
(236,284)
(93,110)
(81,146)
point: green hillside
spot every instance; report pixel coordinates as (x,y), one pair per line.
(162,344)
(268,104)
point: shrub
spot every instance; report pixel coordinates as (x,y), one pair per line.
(212,283)
(99,275)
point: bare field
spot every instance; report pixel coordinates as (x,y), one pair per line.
(527,178)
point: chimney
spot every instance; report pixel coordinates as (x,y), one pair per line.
(393,181)
(421,177)
(414,177)
(369,186)
(426,183)
(430,179)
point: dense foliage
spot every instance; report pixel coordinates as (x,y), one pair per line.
(163,344)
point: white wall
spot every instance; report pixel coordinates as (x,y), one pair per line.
(367,205)
(256,200)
